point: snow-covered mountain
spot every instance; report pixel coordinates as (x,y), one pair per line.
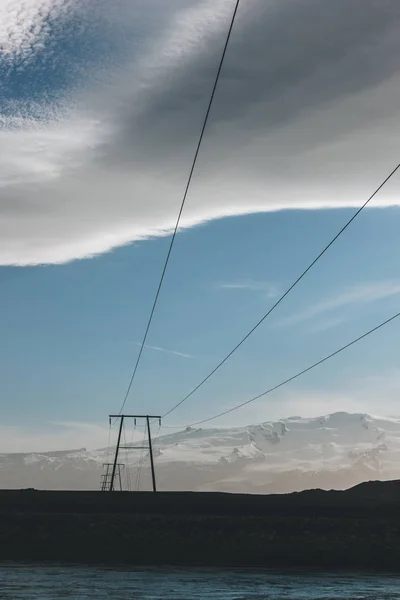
(332,451)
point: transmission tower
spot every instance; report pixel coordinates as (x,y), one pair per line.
(149,447)
(106,476)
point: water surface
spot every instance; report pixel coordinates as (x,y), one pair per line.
(56,582)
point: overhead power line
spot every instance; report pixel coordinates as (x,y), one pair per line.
(189,181)
(286,293)
(292,378)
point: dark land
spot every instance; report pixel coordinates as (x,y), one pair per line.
(357,529)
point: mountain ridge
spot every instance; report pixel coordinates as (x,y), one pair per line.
(336,450)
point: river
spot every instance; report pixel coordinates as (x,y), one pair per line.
(56,582)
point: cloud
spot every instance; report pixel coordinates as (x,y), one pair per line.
(328,324)
(374,394)
(66,435)
(102,103)
(360,294)
(25,27)
(167,351)
(252,286)
(53,436)
(307,404)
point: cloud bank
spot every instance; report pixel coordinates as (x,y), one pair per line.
(101,105)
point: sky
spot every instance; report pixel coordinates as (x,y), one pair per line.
(101,106)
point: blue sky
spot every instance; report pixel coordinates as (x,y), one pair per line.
(101,106)
(70,333)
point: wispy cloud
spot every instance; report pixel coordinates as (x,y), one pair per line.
(251,285)
(361,294)
(312,403)
(167,351)
(375,394)
(327,324)
(53,436)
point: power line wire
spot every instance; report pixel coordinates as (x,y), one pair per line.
(293,377)
(157,437)
(109,442)
(131,444)
(128,486)
(194,161)
(141,460)
(286,293)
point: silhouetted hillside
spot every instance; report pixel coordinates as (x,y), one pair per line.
(357,528)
